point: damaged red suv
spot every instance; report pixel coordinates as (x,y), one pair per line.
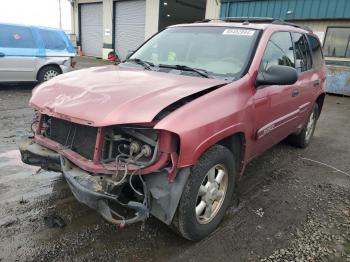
(169,132)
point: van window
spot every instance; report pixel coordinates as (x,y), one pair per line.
(16,37)
(316,50)
(52,39)
(279,51)
(302,53)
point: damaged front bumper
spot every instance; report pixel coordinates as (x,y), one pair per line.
(162,199)
(87,188)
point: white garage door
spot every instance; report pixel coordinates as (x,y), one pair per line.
(129,26)
(91,36)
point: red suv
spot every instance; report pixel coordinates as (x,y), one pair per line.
(169,131)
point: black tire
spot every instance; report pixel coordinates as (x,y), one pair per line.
(185,221)
(48,70)
(302,140)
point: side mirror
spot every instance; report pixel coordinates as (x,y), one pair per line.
(130,53)
(277,75)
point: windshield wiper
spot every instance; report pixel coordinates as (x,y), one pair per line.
(145,64)
(201,72)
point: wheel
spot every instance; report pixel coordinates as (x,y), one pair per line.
(303,139)
(207,194)
(47,73)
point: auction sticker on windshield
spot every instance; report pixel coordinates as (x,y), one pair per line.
(235,31)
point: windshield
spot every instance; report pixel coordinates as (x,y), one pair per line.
(220,51)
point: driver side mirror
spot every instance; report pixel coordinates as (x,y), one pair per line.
(277,75)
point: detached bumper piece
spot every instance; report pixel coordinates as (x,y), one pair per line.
(88,189)
(36,155)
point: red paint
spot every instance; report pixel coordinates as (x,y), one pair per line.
(113,95)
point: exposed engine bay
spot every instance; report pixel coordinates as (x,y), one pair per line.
(105,167)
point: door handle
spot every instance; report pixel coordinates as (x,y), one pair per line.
(295,92)
(317,82)
(2,54)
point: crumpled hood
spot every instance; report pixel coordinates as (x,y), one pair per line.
(109,95)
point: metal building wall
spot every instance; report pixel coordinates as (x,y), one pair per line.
(287,9)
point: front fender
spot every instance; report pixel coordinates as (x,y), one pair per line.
(209,119)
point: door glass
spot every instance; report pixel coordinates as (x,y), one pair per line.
(317,56)
(302,53)
(279,51)
(16,37)
(52,39)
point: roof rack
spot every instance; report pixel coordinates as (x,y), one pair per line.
(248,19)
(282,22)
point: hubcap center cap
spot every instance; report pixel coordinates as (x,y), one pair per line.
(212,192)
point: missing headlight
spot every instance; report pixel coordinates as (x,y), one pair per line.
(130,145)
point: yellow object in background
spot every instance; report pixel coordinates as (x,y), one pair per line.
(171,56)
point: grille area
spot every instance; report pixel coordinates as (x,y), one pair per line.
(79,138)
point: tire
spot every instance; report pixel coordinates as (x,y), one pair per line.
(48,72)
(302,140)
(212,163)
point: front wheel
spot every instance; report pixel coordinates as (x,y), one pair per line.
(207,194)
(303,139)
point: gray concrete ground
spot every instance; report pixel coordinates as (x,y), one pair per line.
(292,209)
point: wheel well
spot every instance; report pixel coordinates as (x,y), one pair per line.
(53,65)
(320,101)
(236,144)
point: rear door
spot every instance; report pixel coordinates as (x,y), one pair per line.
(276,106)
(306,75)
(18,54)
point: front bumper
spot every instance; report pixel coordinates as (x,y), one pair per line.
(87,189)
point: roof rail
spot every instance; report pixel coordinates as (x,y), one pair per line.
(247,19)
(282,22)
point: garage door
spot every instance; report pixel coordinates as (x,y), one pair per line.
(91,36)
(129,26)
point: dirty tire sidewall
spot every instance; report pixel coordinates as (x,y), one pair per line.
(43,71)
(301,140)
(187,223)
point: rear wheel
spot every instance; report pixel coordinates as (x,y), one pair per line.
(47,73)
(303,139)
(207,194)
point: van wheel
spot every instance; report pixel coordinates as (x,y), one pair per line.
(207,194)
(47,73)
(303,139)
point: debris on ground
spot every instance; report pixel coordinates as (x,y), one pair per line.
(54,221)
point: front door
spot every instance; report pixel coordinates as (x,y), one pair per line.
(276,107)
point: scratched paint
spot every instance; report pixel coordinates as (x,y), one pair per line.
(338,79)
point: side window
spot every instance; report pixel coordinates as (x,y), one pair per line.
(303,60)
(316,50)
(16,37)
(52,39)
(279,51)
(336,43)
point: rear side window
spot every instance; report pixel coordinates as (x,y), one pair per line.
(303,60)
(316,50)
(52,39)
(16,37)
(279,51)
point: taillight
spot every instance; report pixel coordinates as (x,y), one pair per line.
(72,62)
